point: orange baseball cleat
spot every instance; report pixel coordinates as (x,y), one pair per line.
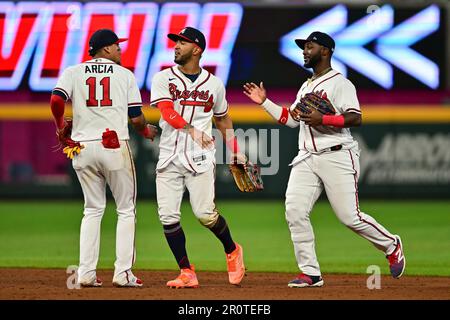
(186,279)
(235,265)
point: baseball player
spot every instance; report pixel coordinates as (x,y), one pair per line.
(104,95)
(328,158)
(188,97)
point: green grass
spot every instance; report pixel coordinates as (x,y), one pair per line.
(45,234)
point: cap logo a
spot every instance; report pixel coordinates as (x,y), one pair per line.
(182,31)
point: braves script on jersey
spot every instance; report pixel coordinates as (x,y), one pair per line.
(342,94)
(101,91)
(196,102)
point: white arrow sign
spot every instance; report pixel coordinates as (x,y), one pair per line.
(394,46)
(350,42)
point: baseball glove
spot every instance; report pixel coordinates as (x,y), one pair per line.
(312,101)
(247,176)
(65,142)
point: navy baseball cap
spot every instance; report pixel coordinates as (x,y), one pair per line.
(190,34)
(102,38)
(318,37)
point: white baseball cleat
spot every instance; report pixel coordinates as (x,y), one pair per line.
(97,282)
(128,281)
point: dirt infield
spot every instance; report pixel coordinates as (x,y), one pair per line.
(51,284)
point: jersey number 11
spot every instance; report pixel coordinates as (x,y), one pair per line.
(92,84)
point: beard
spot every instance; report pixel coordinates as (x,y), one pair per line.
(313,61)
(183,59)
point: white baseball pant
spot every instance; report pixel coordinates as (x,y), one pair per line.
(337,172)
(95,167)
(172,181)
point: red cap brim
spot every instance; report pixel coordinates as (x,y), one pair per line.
(121,40)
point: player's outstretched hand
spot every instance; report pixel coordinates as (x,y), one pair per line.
(256,93)
(201,138)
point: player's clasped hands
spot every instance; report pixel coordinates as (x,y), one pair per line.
(151,132)
(256,93)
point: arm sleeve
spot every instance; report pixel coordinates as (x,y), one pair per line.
(346,99)
(64,85)
(169,114)
(134,95)
(160,89)
(57,104)
(280,114)
(220,108)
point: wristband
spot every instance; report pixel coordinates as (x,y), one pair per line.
(145,132)
(170,115)
(335,121)
(284,116)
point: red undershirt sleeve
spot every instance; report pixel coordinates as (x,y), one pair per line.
(169,114)
(57,105)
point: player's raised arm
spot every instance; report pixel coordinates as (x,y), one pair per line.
(258,95)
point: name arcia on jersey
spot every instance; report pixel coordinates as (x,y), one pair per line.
(99,68)
(208,99)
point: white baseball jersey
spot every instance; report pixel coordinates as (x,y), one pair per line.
(196,102)
(342,94)
(101,92)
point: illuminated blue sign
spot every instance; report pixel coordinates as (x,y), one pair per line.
(392,43)
(394,46)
